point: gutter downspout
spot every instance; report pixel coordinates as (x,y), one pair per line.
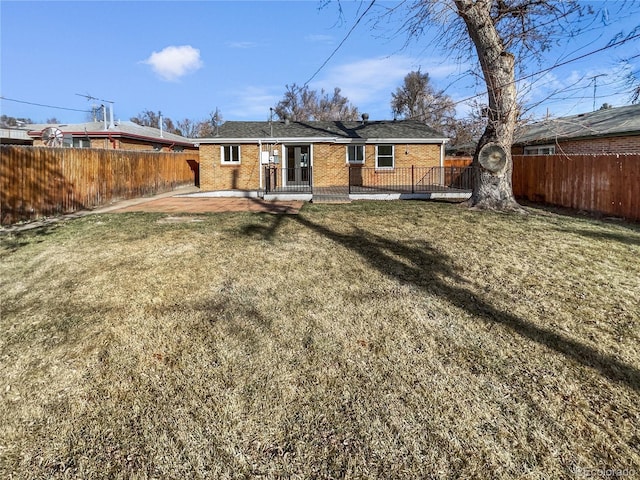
(442,175)
(260,163)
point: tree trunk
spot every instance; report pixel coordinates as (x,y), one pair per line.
(492,183)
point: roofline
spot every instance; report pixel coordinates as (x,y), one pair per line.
(107,134)
(557,138)
(336,140)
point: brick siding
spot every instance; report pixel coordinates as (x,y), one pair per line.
(592,146)
(329,164)
(242,176)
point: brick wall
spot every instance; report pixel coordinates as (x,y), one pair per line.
(593,146)
(628,144)
(329,164)
(419,155)
(242,176)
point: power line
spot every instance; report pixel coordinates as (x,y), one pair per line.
(42,105)
(341,43)
(557,65)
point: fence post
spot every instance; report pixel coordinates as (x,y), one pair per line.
(413,188)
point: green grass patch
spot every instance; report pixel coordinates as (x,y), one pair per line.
(369,340)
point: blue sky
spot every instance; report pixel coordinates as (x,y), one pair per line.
(187,58)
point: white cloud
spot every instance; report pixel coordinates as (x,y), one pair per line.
(368,83)
(174,62)
(242,45)
(328,39)
(253,103)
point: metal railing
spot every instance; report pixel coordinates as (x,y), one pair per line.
(410,179)
(281,179)
(374,180)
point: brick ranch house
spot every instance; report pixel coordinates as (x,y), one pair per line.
(290,156)
(605,131)
(119,135)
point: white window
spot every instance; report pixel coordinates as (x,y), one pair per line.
(81,142)
(540,150)
(355,154)
(230,154)
(384,156)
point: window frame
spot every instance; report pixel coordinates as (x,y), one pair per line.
(357,147)
(81,142)
(535,150)
(392,156)
(223,158)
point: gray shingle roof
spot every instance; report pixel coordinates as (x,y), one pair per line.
(601,123)
(129,129)
(400,129)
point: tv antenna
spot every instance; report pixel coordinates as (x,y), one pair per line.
(110,102)
(595,86)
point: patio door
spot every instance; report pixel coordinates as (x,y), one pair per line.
(298,166)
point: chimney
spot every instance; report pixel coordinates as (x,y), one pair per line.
(365,118)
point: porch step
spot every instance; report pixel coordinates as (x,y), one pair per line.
(329,198)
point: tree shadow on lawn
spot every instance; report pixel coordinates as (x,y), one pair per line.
(632,238)
(268,231)
(13,240)
(428,269)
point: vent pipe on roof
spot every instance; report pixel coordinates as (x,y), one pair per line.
(111,122)
(160,123)
(365,118)
(104,115)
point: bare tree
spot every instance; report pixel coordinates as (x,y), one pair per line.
(210,127)
(7,122)
(148,118)
(633,78)
(303,104)
(466,132)
(188,128)
(417,99)
(499,34)
(200,128)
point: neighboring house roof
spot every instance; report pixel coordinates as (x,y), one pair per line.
(410,131)
(121,129)
(601,123)
(17,136)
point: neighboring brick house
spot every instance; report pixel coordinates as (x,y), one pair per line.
(120,135)
(297,154)
(606,131)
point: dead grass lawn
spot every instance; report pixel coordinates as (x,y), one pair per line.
(371,340)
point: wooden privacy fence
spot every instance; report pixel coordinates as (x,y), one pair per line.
(39,181)
(457,161)
(608,184)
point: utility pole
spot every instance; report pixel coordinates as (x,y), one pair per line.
(595,86)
